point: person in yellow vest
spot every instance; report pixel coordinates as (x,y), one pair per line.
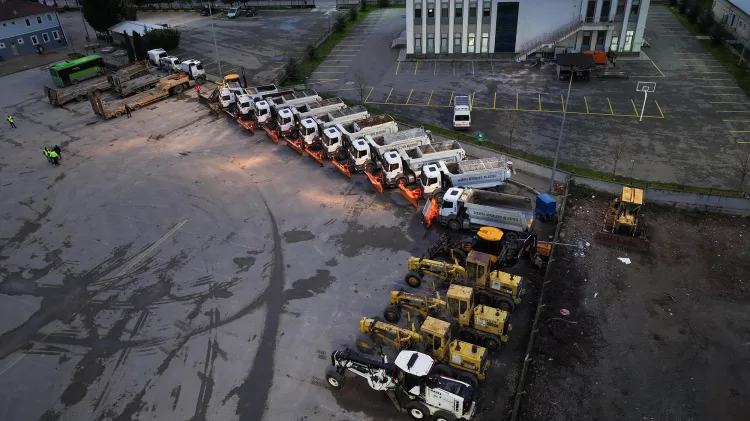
(10,120)
(46,153)
(54,156)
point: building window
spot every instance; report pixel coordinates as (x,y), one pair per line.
(55,35)
(605,11)
(39,20)
(45,37)
(20,41)
(486,10)
(430,43)
(4,24)
(586,44)
(485,42)
(28,22)
(13,23)
(459,10)
(2,45)
(457,42)
(590,10)
(615,41)
(473,9)
(418,10)
(49,18)
(430,10)
(418,44)
(34,40)
(634,8)
(620,13)
(471,42)
(628,41)
(444,12)
(444,43)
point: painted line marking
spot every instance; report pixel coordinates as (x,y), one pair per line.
(451,100)
(516,100)
(389,96)
(524,110)
(740,131)
(702,65)
(494,101)
(659,108)
(703,78)
(657,69)
(430,98)
(473,95)
(407,99)
(634,107)
(709,73)
(723,87)
(416,66)
(727,94)
(562,100)
(322,80)
(398,66)
(743,111)
(695,54)
(737,121)
(368,95)
(610,107)
(454,68)
(472,67)
(585,101)
(728,102)
(434,71)
(540,102)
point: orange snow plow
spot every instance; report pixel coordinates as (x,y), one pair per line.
(297,145)
(376,180)
(249,125)
(317,156)
(345,168)
(430,212)
(272,134)
(413,196)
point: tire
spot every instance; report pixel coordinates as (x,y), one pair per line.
(468,378)
(442,415)
(81,98)
(392,314)
(413,279)
(178,89)
(200,80)
(417,411)
(504,303)
(438,195)
(484,298)
(370,167)
(341,155)
(510,236)
(294,135)
(459,255)
(365,346)
(118,114)
(443,370)
(454,225)
(272,125)
(136,107)
(74,82)
(492,343)
(335,380)
(467,335)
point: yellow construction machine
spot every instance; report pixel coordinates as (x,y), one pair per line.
(460,360)
(496,289)
(623,221)
(424,306)
(482,325)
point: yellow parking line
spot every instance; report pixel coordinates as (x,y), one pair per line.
(610,107)
(368,95)
(701,78)
(416,66)
(540,102)
(657,68)
(585,101)
(740,131)
(743,111)
(634,107)
(563,103)
(389,96)
(430,98)
(494,101)
(330,73)
(398,66)
(473,95)
(516,101)
(659,108)
(451,100)
(322,80)
(335,66)
(709,73)
(743,143)
(724,87)
(728,102)
(410,92)
(738,121)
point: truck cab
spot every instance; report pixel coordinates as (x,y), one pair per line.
(155,55)
(359,153)
(194,69)
(430,180)
(393,168)
(333,142)
(169,63)
(226,98)
(461,112)
(234,12)
(285,120)
(262,111)
(308,130)
(244,104)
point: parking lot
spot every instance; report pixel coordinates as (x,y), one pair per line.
(692,128)
(176,266)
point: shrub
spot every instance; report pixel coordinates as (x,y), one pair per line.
(353,14)
(683,6)
(693,10)
(340,24)
(292,69)
(706,20)
(167,38)
(673,3)
(717,33)
(311,53)
(383,3)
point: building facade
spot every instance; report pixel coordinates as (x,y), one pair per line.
(26,26)
(735,16)
(523,27)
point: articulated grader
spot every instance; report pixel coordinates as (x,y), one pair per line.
(496,289)
(459,360)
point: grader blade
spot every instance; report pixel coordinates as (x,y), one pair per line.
(249,125)
(430,212)
(272,134)
(296,145)
(412,196)
(344,168)
(317,156)
(376,181)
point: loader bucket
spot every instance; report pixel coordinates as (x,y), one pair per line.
(247,125)
(641,245)
(272,134)
(344,168)
(430,212)
(296,145)
(412,196)
(376,181)
(317,156)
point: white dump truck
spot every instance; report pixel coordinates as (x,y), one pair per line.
(194,70)
(293,99)
(169,63)
(375,126)
(258,91)
(155,55)
(485,173)
(368,154)
(226,97)
(461,112)
(317,108)
(343,116)
(407,167)
(244,104)
(473,208)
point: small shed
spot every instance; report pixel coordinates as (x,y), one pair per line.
(130,27)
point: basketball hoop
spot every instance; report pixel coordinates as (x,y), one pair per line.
(645,87)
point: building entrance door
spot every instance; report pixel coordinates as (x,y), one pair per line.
(13,48)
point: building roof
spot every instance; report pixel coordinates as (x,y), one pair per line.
(743,5)
(14,9)
(131,26)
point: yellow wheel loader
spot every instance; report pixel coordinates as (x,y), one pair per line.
(459,360)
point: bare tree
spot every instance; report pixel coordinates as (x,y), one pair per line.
(743,168)
(360,84)
(617,152)
(512,124)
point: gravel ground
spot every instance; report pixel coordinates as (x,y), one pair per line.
(666,337)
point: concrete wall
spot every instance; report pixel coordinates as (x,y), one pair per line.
(28,46)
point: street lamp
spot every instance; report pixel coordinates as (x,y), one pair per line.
(216,48)
(80,10)
(559,137)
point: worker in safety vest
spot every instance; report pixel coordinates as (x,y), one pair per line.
(46,153)
(12,124)
(54,156)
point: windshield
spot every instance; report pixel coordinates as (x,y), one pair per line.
(423,178)
(225,97)
(330,140)
(391,167)
(262,111)
(199,66)
(245,104)
(286,120)
(233,10)
(462,118)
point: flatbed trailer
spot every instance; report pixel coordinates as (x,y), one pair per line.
(126,87)
(171,85)
(80,91)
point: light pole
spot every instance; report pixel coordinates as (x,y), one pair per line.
(559,137)
(216,48)
(80,10)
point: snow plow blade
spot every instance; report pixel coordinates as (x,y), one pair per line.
(296,145)
(249,125)
(272,134)
(430,212)
(317,156)
(375,181)
(344,168)
(412,196)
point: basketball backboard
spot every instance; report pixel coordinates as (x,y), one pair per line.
(646,87)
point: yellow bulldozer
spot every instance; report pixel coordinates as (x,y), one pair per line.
(496,289)
(623,221)
(459,360)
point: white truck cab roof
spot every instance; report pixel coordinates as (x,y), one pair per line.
(225,91)
(262,105)
(286,113)
(331,132)
(308,123)
(453,193)
(414,363)
(431,171)
(392,157)
(360,144)
(245,98)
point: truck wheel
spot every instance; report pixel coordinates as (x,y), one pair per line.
(136,107)
(510,236)
(392,314)
(334,379)
(365,345)
(370,167)
(178,89)
(118,113)
(468,378)
(442,415)
(467,335)
(200,80)
(443,370)
(81,97)
(341,155)
(459,255)
(483,298)
(505,304)
(413,279)
(417,410)
(492,343)
(454,225)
